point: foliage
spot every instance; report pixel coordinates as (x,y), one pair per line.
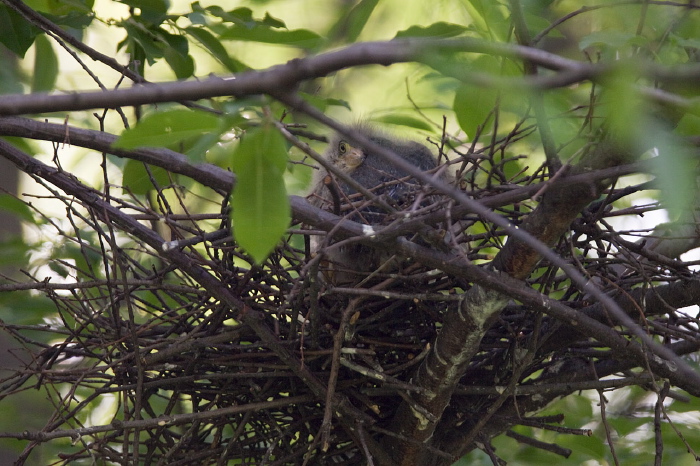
(177,304)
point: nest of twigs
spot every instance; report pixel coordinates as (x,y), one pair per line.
(181,377)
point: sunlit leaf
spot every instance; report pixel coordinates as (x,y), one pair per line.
(585,448)
(625,425)
(473,103)
(350,25)
(473,106)
(45,66)
(168,128)
(260,207)
(490,18)
(623,107)
(689,125)
(404,120)
(536,24)
(440,29)
(611,40)
(302,38)
(676,168)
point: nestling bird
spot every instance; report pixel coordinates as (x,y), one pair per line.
(349,264)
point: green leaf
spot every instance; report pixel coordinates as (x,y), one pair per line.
(440,29)
(627,425)
(692,42)
(215,47)
(322,103)
(152,11)
(473,106)
(489,18)
(177,42)
(136,178)
(261,212)
(536,24)
(488,10)
(564,125)
(585,448)
(350,25)
(74,20)
(470,114)
(611,40)
(15,32)
(153,49)
(404,120)
(69,7)
(15,206)
(25,307)
(301,38)
(676,168)
(624,107)
(182,65)
(273,22)
(165,129)
(242,15)
(45,66)
(177,54)
(73,15)
(472,103)
(15,253)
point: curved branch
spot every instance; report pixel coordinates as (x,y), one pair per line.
(278,78)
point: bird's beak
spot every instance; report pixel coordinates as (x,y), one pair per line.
(354,157)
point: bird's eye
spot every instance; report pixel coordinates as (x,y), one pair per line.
(342,147)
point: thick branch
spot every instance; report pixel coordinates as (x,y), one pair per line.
(277,79)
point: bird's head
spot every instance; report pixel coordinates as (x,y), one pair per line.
(345,156)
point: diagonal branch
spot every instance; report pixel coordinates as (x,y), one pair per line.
(350,416)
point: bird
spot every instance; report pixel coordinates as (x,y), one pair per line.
(349,264)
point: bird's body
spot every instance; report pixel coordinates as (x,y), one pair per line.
(349,263)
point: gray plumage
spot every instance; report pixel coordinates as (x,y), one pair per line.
(349,264)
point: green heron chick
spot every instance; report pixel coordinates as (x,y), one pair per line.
(349,264)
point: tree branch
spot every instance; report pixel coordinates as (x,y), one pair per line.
(281,78)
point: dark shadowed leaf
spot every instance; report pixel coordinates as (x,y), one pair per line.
(215,47)
(15,33)
(18,208)
(138,180)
